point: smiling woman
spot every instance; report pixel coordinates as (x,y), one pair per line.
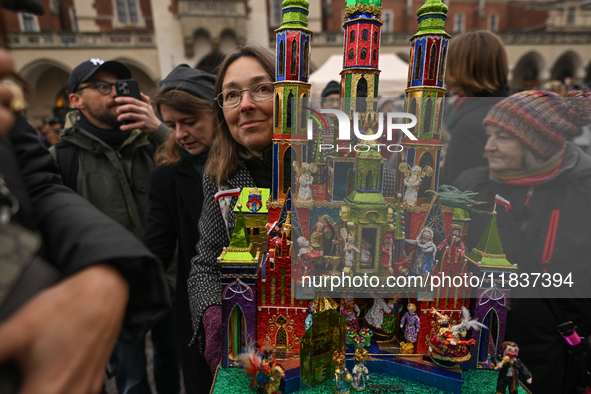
(240,157)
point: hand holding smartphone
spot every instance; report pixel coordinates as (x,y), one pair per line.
(128,88)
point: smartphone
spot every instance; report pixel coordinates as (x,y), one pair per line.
(128,88)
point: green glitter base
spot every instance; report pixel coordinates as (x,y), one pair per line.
(235,381)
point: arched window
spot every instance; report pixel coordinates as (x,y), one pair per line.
(375,37)
(352,36)
(432,54)
(363,53)
(442,63)
(413,110)
(303,103)
(361,92)
(306,54)
(428,116)
(369,180)
(364,34)
(281,57)
(374,55)
(426,160)
(294,57)
(288,157)
(351,54)
(418,62)
(410,62)
(290,107)
(277,109)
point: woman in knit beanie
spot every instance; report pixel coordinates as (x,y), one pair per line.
(547,181)
(184,101)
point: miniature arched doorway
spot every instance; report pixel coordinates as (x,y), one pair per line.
(236,332)
(281,337)
(426,183)
(489,336)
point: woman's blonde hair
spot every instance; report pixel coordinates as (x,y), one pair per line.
(223,160)
(168,153)
(477,62)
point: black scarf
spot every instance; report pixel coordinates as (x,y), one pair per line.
(112,137)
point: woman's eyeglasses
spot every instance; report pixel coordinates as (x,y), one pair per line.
(102,87)
(232,98)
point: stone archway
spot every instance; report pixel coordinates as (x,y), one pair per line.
(526,74)
(565,66)
(145,78)
(48,98)
(210,62)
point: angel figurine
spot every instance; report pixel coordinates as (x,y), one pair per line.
(304,180)
(360,372)
(412,180)
(350,248)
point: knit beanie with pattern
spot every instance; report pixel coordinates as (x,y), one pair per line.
(540,120)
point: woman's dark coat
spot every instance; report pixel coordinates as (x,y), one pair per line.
(176,199)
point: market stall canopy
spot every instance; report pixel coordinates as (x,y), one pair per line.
(393,77)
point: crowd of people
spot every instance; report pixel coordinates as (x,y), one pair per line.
(122,205)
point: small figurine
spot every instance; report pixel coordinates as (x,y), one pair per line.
(510,368)
(304,180)
(267,373)
(350,248)
(311,312)
(425,259)
(274,241)
(341,374)
(387,249)
(453,249)
(360,372)
(365,254)
(351,312)
(375,315)
(321,231)
(412,322)
(412,180)
(305,256)
(450,344)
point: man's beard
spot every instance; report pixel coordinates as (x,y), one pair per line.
(105,117)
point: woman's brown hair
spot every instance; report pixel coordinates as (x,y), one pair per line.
(223,160)
(477,63)
(168,153)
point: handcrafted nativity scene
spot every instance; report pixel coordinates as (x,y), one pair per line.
(346,212)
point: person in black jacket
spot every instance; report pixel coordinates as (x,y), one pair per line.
(62,338)
(548,184)
(477,70)
(184,102)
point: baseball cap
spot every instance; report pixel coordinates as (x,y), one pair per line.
(87,69)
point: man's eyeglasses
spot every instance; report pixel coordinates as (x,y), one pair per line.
(102,87)
(232,98)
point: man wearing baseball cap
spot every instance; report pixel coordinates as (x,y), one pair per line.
(105,154)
